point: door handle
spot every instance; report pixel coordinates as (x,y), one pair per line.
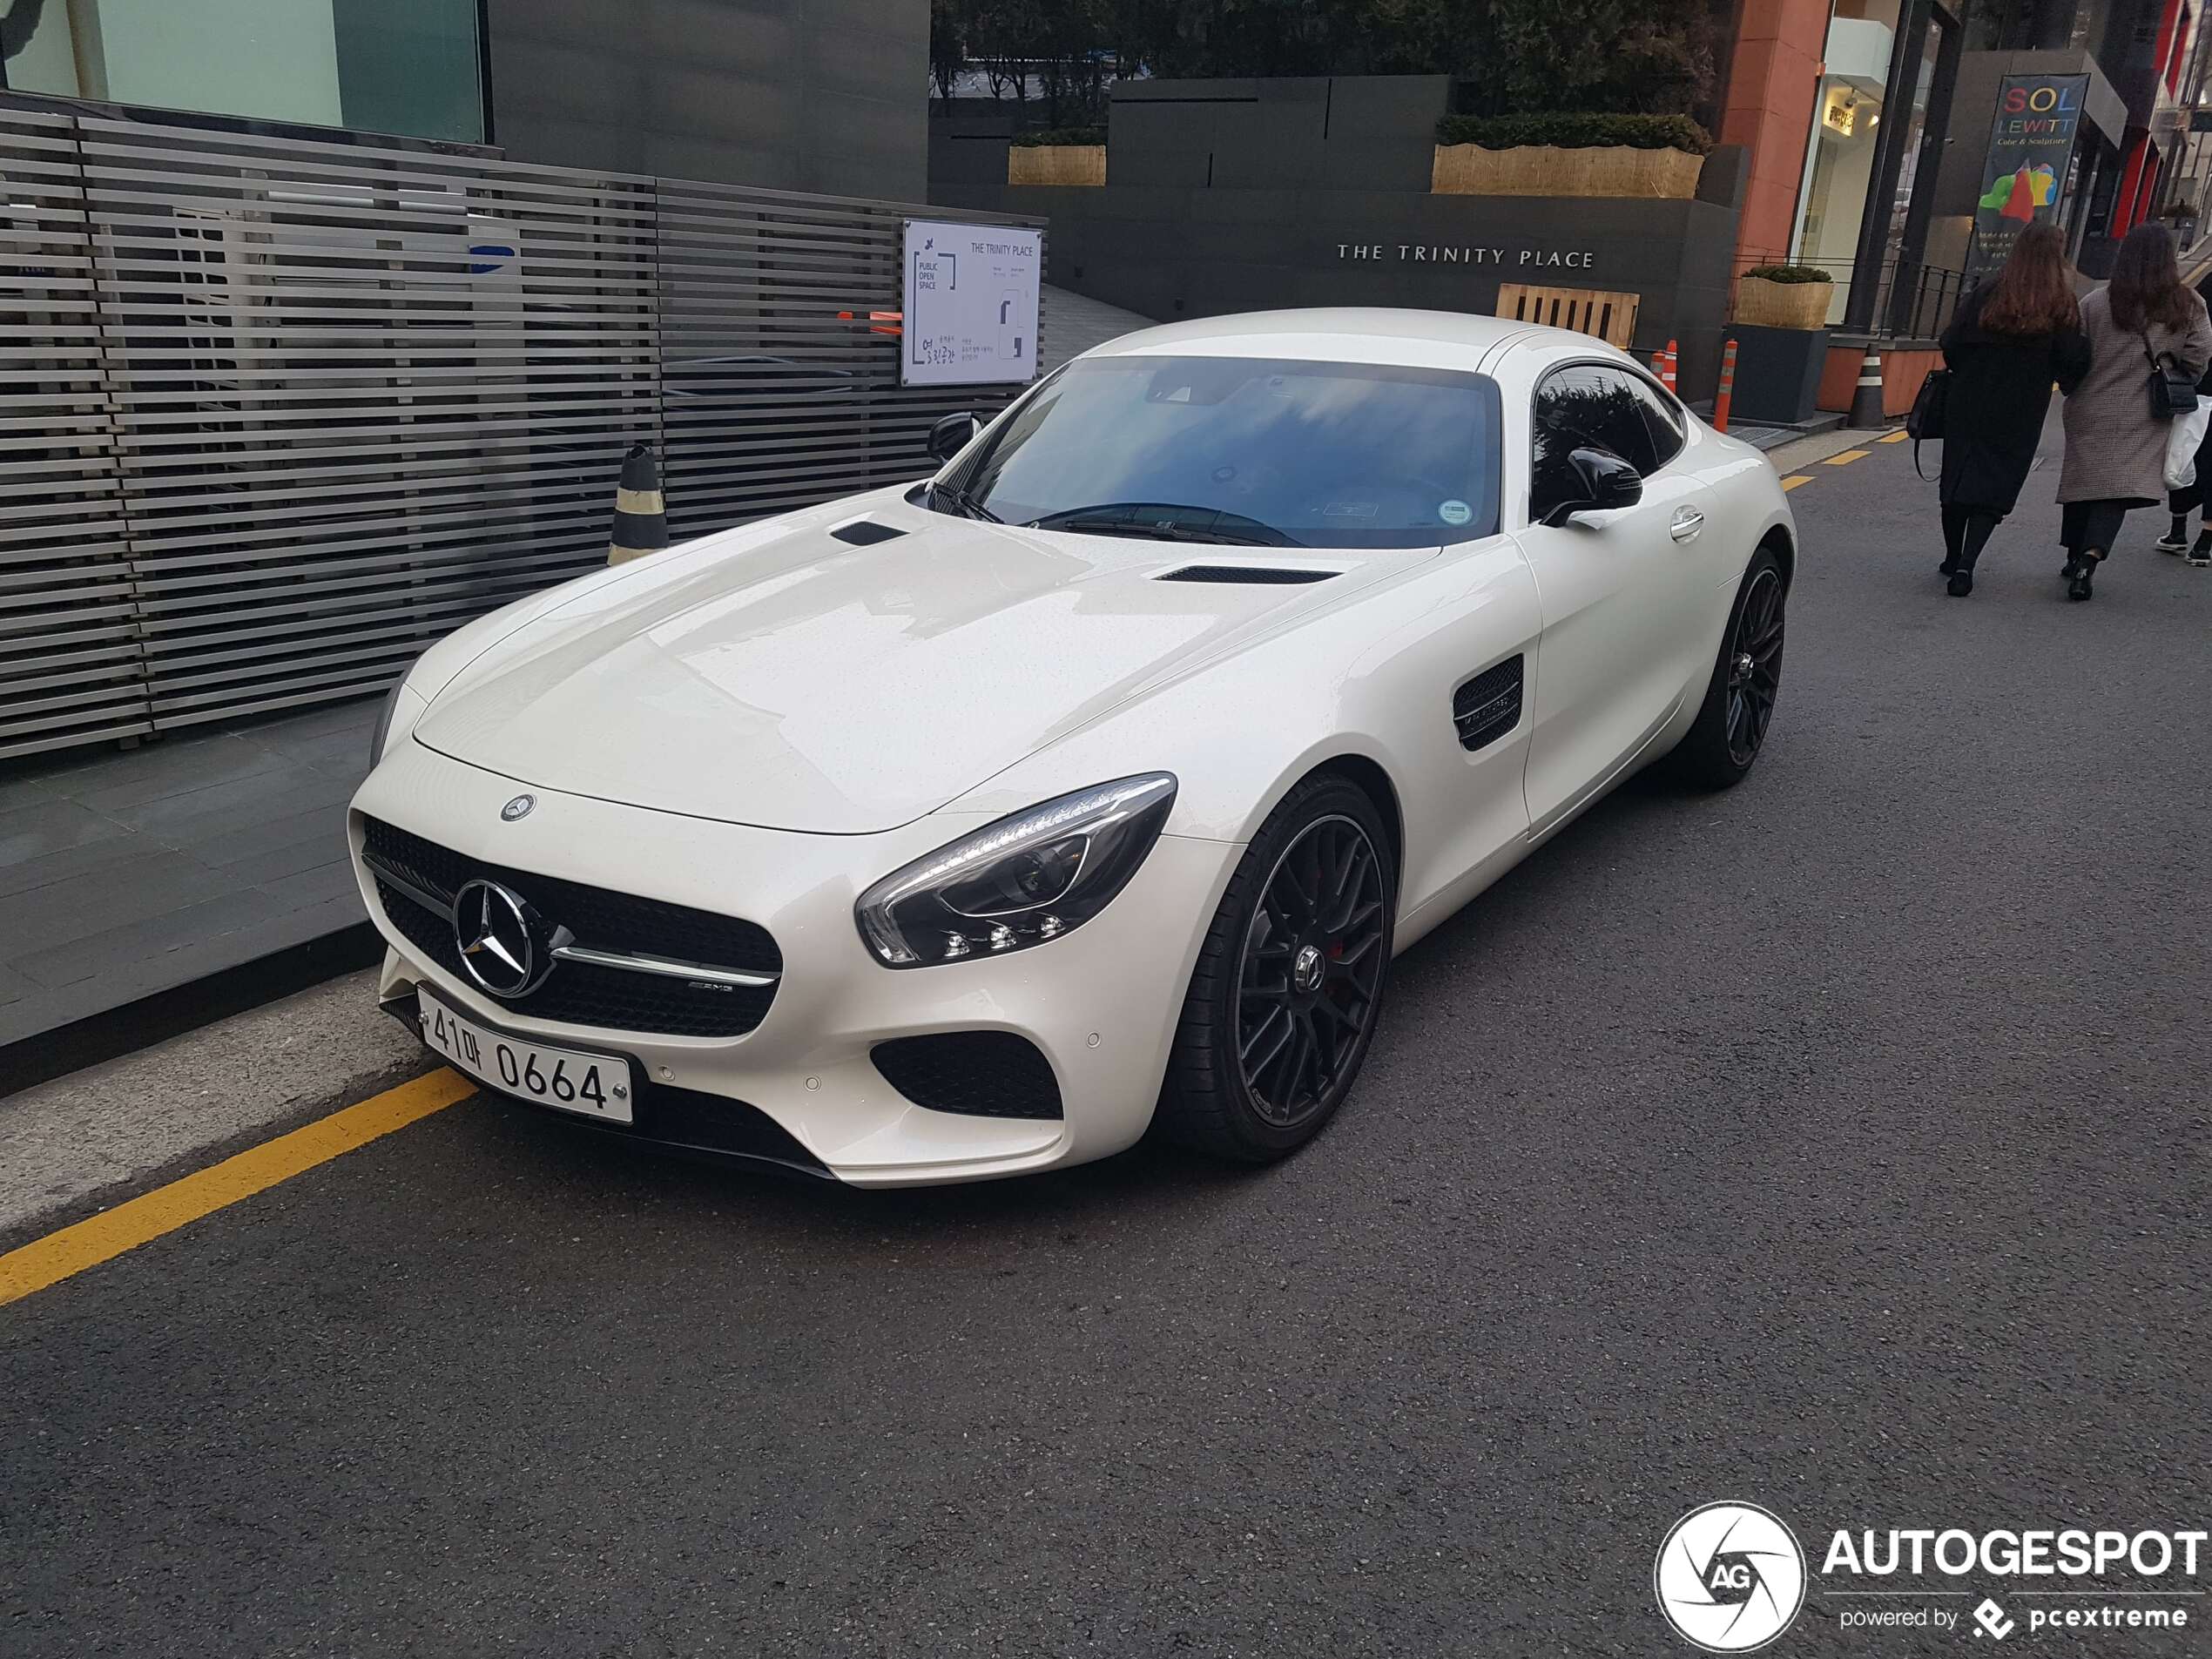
(1687,522)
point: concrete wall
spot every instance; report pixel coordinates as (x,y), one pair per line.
(825,95)
(1229,195)
(1170,252)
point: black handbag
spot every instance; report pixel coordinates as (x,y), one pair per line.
(1930,408)
(2172,391)
(1931,413)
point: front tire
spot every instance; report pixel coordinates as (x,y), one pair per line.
(1723,745)
(1289,983)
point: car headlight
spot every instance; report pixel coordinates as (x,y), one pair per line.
(384,723)
(377,738)
(1017,882)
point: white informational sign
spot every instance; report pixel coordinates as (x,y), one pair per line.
(971,304)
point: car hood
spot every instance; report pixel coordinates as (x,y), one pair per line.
(777,676)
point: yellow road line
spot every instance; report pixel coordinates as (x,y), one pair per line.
(1845,459)
(1801,478)
(48,1261)
(1898,436)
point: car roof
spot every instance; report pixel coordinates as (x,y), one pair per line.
(1455,339)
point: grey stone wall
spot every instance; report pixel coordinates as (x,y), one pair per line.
(824,95)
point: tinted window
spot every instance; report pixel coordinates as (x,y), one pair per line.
(1662,419)
(1585,408)
(1298,453)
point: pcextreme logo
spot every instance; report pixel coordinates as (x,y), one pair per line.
(1729,1577)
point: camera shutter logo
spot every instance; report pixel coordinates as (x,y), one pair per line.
(1730,1577)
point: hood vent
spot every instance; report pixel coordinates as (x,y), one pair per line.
(865,532)
(1259,575)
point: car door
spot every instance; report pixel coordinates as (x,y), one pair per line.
(1618,589)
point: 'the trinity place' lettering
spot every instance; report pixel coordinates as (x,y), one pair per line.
(1532,259)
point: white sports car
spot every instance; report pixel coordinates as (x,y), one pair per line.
(970,828)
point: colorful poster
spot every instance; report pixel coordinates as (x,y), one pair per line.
(2024,174)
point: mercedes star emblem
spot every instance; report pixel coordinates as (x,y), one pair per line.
(499,948)
(518,807)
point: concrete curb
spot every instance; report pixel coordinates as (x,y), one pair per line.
(96,1132)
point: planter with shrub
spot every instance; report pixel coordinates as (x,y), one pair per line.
(1654,157)
(1785,296)
(1058,156)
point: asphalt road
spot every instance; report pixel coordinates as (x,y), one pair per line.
(1838,1144)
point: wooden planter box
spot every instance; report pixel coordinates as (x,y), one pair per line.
(1056,163)
(1783,305)
(1546,170)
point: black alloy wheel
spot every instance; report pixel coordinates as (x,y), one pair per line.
(1755,666)
(1312,976)
(1289,984)
(1731,725)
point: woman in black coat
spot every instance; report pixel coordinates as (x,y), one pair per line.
(2012,338)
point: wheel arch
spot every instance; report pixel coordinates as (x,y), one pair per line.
(1371,780)
(1783,546)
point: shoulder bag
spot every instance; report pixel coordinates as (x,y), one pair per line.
(1931,413)
(2172,391)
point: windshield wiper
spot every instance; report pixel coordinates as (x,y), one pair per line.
(963,502)
(1171,524)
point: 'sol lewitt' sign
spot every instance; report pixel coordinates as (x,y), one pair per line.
(1524,259)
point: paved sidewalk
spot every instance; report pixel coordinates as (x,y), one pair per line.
(1072,324)
(125,873)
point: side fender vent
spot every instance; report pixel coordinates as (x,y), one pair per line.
(1259,575)
(865,532)
(1488,706)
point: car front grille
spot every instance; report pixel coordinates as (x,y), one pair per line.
(411,870)
(982,1074)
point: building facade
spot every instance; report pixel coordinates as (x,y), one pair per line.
(817,94)
(1933,124)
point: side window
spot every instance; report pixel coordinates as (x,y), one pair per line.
(1585,406)
(1663,420)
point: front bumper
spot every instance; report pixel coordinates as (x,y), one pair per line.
(1100,1004)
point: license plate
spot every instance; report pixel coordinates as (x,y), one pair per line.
(597,1085)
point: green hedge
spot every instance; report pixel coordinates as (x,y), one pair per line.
(1575,132)
(1060,135)
(1789,274)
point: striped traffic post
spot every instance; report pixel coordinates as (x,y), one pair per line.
(1726,395)
(641,515)
(1674,372)
(1866,401)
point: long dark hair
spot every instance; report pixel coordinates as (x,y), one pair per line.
(2146,284)
(2034,293)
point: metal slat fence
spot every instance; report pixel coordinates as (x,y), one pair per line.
(279,413)
(71,670)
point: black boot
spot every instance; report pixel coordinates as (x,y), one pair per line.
(2080,570)
(1962,580)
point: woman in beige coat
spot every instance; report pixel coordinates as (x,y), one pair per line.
(2115,447)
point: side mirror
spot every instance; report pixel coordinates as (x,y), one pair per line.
(953,434)
(1607,482)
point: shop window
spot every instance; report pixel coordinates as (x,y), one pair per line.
(403,66)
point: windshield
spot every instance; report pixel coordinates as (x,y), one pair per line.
(1244,449)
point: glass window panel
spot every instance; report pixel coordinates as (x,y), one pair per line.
(411,67)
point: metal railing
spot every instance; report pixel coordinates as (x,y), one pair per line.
(1914,300)
(275,414)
